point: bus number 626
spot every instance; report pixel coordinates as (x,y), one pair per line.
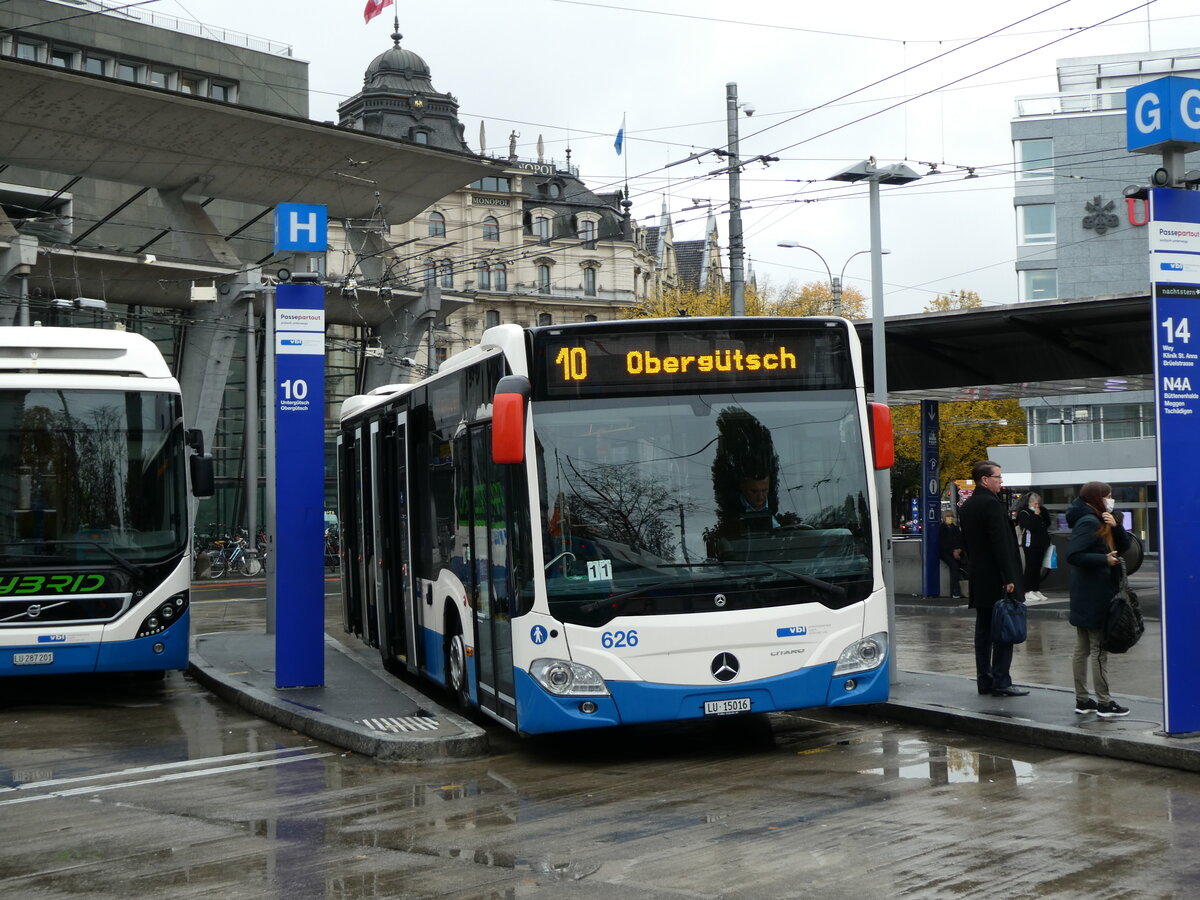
(619,638)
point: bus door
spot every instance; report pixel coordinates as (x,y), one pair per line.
(377,591)
(490,577)
(348,488)
(363,524)
(402,613)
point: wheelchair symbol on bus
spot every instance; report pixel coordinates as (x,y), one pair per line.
(538,634)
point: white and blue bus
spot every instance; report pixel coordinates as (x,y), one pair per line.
(608,523)
(95,535)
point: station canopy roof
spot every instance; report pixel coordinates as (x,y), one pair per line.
(1043,348)
(77,124)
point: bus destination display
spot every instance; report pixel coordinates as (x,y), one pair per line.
(588,362)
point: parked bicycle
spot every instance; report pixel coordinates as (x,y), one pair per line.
(234,555)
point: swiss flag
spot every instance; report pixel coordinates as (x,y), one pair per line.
(374,8)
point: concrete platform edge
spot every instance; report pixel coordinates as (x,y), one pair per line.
(1151,749)
(416,747)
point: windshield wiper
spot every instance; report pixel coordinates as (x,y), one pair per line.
(119,560)
(834,590)
(620,598)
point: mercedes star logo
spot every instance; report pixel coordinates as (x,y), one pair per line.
(724,667)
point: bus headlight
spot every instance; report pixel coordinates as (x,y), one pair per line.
(564,678)
(167,612)
(862,655)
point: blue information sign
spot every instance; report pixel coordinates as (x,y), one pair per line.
(1161,112)
(931,501)
(1175,275)
(301,227)
(300,484)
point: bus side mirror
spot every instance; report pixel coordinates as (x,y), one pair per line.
(508,419)
(202,475)
(195,440)
(883,446)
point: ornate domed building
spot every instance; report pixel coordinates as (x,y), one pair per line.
(398,100)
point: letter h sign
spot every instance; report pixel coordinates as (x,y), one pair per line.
(301,227)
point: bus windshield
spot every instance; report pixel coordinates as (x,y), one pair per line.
(89,476)
(703,502)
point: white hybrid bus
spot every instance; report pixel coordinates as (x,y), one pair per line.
(609,523)
(95,537)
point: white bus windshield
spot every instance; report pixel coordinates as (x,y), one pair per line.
(663,504)
(89,476)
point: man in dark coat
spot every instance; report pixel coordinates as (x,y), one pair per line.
(995,570)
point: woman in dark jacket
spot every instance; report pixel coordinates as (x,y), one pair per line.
(1034,521)
(1097,538)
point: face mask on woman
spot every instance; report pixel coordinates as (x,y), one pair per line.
(1109,505)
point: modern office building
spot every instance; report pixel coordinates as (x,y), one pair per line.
(1078,236)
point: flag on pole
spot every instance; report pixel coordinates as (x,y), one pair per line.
(619,143)
(374,8)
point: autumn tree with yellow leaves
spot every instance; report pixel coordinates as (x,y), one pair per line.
(811,299)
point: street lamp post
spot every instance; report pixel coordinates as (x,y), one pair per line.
(897,173)
(835,284)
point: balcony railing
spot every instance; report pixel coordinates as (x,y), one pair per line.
(183,26)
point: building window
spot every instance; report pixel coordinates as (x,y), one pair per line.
(127,71)
(500,277)
(495,184)
(437,225)
(64,59)
(94,65)
(543,279)
(1039,284)
(159,78)
(220,92)
(1119,421)
(587,233)
(491,318)
(491,229)
(589,281)
(447,272)
(1035,158)
(440,354)
(483,277)
(420,137)
(189,85)
(1036,223)
(430,271)
(541,228)
(589,318)
(545,319)
(28,50)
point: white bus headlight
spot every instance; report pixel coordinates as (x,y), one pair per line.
(862,655)
(565,678)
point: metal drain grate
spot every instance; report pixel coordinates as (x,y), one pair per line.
(402,723)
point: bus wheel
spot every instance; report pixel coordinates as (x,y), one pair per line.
(456,669)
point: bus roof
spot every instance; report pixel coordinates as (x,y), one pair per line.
(33,349)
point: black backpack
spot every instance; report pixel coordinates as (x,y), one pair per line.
(1124,626)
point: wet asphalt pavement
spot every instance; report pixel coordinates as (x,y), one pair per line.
(112,787)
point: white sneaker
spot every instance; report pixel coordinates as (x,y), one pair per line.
(1031,597)
(1042,597)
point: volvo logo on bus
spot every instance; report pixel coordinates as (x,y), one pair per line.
(34,610)
(725,667)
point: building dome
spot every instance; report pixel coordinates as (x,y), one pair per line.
(397,69)
(398,100)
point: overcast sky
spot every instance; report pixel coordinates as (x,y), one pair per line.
(569,71)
